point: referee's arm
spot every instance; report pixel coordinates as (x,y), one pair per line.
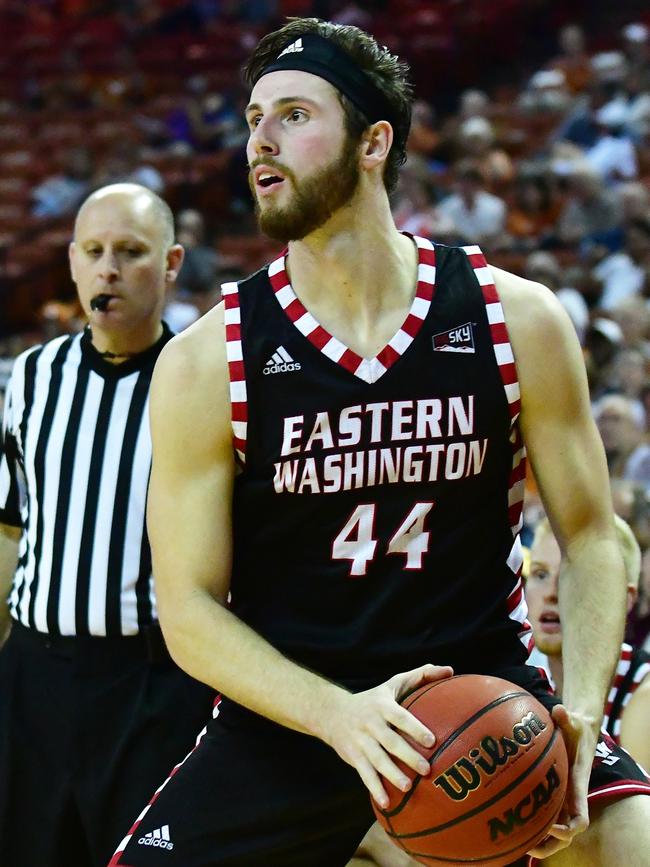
(9,537)
(10,518)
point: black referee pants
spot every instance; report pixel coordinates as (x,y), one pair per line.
(89,727)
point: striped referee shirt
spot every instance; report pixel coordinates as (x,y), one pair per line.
(75,460)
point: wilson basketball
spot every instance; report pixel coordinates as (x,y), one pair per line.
(498,775)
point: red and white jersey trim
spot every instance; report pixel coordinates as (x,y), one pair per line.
(517,608)
(115,860)
(367,369)
(235,356)
(624,663)
(518,612)
(508,370)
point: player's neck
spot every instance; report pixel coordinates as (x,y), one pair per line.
(557,672)
(355,264)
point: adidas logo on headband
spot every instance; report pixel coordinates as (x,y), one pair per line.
(321,57)
(290,49)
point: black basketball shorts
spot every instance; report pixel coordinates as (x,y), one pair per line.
(254,794)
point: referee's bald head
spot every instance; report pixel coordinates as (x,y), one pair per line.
(143,201)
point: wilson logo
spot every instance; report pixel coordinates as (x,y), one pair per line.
(528,807)
(466,774)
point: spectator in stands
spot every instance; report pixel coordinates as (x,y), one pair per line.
(125,86)
(573,60)
(633,505)
(476,141)
(578,275)
(424,139)
(534,211)
(198,273)
(643,148)
(545,92)
(414,207)
(628,373)
(61,193)
(543,267)
(123,165)
(476,214)
(621,423)
(590,214)
(613,156)
(580,126)
(198,287)
(204,119)
(633,200)
(179,313)
(633,317)
(473,103)
(635,102)
(635,38)
(627,271)
(610,69)
(603,339)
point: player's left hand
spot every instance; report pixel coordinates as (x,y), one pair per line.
(580,738)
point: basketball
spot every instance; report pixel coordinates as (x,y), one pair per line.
(498,775)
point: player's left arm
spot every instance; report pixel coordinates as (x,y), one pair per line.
(635,725)
(568,461)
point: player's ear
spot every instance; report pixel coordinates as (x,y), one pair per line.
(632,596)
(175,256)
(71,259)
(375,144)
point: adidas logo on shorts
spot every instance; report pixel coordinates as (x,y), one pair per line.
(158,838)
(280,362)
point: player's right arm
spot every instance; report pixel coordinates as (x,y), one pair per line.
(189,521)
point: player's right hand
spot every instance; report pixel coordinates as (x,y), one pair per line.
(366,729)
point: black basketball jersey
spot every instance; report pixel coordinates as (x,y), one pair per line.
(377,511)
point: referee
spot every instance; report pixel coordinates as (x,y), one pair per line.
(93,713)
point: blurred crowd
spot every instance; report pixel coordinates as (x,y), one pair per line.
(550,174)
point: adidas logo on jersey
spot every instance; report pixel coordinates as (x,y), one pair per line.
(280,362)
(290,49)
(159,838)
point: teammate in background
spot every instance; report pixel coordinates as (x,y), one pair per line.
(628,704)
(360,499)
(627,712)
(93,712)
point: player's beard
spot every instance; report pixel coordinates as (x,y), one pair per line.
(314,199)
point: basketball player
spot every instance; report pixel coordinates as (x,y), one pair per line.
(339,448)
(627,712)
(628,705)
(93,711)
